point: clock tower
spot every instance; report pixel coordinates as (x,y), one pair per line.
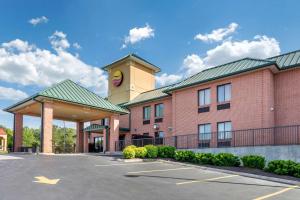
(128,77)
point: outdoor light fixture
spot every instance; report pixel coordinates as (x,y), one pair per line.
(156,126)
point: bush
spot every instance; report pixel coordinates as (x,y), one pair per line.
(204,158)
(284,167)
(226,159)
(254,161)
(166,151)
(140,152)
(152,151)
(185,156)
(129,152)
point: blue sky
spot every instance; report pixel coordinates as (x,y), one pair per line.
(44,42)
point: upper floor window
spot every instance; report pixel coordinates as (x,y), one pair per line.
(204,97)
(224,93)
(159,110)
(204,131)
(224,130)
(146,112)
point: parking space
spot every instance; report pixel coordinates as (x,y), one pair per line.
(100,177)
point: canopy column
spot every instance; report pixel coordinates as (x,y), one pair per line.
(18,132)
(86,142)
(113,132)
(79,137)
(46,134)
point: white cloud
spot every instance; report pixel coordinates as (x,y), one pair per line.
(76,45)
(165,79)
(59,41)
(138,34)
(38,20)
(218,34)
(260,47)
(11,94)
(35,66)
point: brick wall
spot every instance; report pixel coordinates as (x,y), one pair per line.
(137,126)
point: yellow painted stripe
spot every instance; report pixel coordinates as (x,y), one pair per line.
(160,170)
(122,164)
(204,180)
(276,193)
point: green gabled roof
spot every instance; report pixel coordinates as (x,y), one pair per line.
(287,60)
(149,96)
(221,71)
(71,92)
(135,58)
(94,127)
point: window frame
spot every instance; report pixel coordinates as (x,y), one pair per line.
(205,133)
(199,97)
(224,85)
(144,119)
(224,133)
(155,112)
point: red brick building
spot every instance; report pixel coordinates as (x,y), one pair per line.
(247,102)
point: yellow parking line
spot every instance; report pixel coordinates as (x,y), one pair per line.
(122,164)
(204,180)
(277,193)
(160,170)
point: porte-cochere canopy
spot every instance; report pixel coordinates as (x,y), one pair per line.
(64,101)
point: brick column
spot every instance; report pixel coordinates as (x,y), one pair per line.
(104,139)
(85,142)
(114,132)
(47,119)
(79,137)
(18,132)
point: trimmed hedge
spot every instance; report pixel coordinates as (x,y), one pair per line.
(254,161)
(129,152)
(284,167)
(140,152)
(166,151)
(226,159)
(185,156)
(152,151)
(204,158)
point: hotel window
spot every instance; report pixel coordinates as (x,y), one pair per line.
(204,131)
(159,110)
(146,114)
(204,97)
(224,93)
(224,130)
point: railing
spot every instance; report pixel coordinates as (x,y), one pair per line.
(284,135)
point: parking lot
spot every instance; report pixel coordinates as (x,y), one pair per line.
(102,177)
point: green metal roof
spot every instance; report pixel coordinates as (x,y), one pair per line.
(221,71)
(94,127)
(287,60)
(149,96)
(136,58)
(69,91)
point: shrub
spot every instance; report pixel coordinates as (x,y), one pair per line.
(204,158)
(129,152)
(166,151)
(185,156)
(226,159)
(283,167)
(254,161)
(152,151)
(140,152)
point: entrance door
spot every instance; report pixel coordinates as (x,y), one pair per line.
(98,144)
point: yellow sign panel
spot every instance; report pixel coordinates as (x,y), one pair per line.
(117,78)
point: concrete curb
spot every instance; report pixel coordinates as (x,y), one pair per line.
(266,178)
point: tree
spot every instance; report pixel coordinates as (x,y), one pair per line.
(63,139)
